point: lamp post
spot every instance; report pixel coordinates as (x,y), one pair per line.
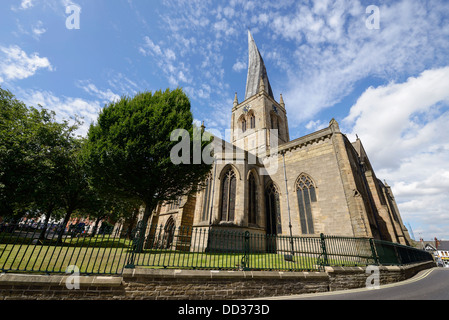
(288,209)
(211,204)
(213,192)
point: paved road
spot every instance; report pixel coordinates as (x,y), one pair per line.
(430,284)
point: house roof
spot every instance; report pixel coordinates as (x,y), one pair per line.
(443,245)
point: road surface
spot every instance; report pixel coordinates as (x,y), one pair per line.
(431,284)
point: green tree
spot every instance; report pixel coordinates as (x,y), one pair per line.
(106,208)
(41,168)
(76,193)
(31,145)
(128,150)
(17,124)
(57,143)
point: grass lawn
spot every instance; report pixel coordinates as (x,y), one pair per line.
(57,259)
(111,260)
(225,261)
(108,255)
(91,255)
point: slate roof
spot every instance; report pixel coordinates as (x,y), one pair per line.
(443,244)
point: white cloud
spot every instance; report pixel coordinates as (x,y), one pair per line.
(123,85)
(202,92)
(24,5)
(239,66)
(64,107)
(38,29)
(150,48)
(223,26)
(321,49)
(175,71)
(333,49)
(403,127)
(218,118)
(15,64)
(229,12)
(105,95)
(316,125)
(408,115)
(170,54)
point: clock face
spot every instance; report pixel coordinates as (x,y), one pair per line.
(246,108)
(275,109)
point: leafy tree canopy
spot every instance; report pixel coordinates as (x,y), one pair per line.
(40,162)
(128,150)
(30,142)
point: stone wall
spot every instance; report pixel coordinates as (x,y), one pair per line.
(315,157)
(53,287)
(345,278)
(219,285)
(150,284)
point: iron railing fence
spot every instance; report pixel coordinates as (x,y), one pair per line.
(395,254)
(204,248)
(49,248)
(220,248)
(32,247)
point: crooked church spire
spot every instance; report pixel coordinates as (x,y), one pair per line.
(256,71)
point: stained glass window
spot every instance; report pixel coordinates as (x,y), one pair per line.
(228,194)
(305,190)
(252,199)
(273,210)
(252,121)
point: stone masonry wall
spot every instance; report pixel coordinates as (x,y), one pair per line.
(214,285)
(344,278)
(150,284)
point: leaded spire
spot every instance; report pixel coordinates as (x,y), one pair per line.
(256,71)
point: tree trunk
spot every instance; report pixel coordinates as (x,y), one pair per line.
(47,218)
(97,222)
(63,226)
(142,228)
(131,222)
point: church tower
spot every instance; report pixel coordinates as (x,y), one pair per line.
(259,122)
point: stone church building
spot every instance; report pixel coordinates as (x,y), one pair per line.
(265,183)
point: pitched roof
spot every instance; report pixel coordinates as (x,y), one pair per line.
(443,245)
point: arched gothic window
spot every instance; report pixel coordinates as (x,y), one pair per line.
(174,205)
(228,194)
(252,121)
(252,199)
(207,193)
(274,121)
(273,210)
(244,125)
(305,190)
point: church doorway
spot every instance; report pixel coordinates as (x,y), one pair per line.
(169,233)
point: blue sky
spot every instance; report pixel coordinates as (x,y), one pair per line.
(388,85)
